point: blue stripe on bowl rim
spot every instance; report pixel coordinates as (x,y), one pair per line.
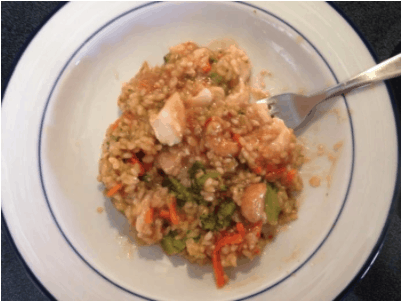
(376,249)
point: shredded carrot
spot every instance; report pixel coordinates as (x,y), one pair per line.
(240,229)
(257,251)
(164,214)
(230,239)
(206,68)
(129,115)
(236,137)
(274,172)
(114,189)
(275,169)
(257,170)
(134,160)
(115,124)
(223,233)
(216,258)
(218,269)
(173,213)
(149,216)
(147,166)
(207,122)
(144,84)
(290,176)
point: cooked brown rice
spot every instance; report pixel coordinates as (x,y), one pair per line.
(195,166)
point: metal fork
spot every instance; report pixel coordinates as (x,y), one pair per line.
(294,108)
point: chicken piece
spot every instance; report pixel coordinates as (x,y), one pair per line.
(273,141)
(170,162)
(240,95)
(144,230)
(262,112)
(216,141)
(217,93)
(201,53)
(281,142)
(203,98)
(183,48)
(252,203)
(242,66)
(170,122)
(222,147)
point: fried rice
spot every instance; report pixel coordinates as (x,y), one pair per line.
(194,165)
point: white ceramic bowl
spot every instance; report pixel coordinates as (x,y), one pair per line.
(62,104)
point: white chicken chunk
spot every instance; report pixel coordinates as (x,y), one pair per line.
(170,162)
(240,95)
(262,112)
(252,204)
(217,93)
(170,122)
(203,98)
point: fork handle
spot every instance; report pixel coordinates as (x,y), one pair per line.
(385,70)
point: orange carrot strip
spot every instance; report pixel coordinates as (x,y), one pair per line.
(116,124)
(173,213)
(290,176)
(231,239)
(207,122)
(207,68)
(240,229)
(164,214)
(134,161)
(114,189)
(149,216)
(216,260)
(236,137)
(147,166)
(257,170)
(273,172)
(144,83)
(129,115)
(218,269)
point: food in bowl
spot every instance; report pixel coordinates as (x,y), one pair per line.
(194,165)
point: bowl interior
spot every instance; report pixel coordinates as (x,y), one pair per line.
(84,103)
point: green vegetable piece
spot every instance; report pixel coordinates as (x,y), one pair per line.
(171,245)
(179,190)
(272,207)
(216,78)
(201,180)
(223,188)
(146,178)
(166,58)
(167,245)
(222,219)
(179,244)
(212,60)
(197,166)
(226,209)
(197,239)
(224,223)
(208,221)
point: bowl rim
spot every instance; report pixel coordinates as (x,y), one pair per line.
(379,244)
